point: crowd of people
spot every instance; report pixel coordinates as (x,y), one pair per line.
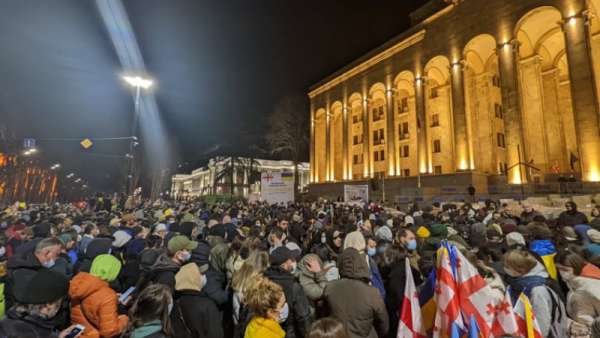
(321,269)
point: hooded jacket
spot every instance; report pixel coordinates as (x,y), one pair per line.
(94,305)
(20,269)
(163,271)
(313,284)
(299,320)
(29,326)
(572,218)
(583,300)
(353,301)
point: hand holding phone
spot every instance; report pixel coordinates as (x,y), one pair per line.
(123,297)
(73,331)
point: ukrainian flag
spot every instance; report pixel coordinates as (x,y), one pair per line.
(427,301)
(547,251)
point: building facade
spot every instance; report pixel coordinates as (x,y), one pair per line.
(472,89)
(215,179)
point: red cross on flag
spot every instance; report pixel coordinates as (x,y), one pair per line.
(411,320)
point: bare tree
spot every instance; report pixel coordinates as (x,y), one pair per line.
(288,132)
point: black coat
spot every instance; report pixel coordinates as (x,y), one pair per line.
(394,285)
(15,325)
(20,269)
(163,272)
(195,315)
(299,320)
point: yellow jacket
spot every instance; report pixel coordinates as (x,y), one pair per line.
(263,328)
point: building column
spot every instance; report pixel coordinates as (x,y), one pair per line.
(391,133)
(366,139)
(422,146)
(461,142)
(583,93)
(313,166)
(345,161)
(328,155)
(513,128)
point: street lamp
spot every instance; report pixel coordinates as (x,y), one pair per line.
(139,83)
(55,166)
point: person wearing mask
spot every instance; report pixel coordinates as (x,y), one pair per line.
(93,303)
(35,314)
(166,266)
(571,216)
(149,315)
(219,250)
(527,275)
(328,328)
(194,315)
(21,268)
(583,299)
(407,239)
(266,301)
(376,279)
(283,265)
(368,317)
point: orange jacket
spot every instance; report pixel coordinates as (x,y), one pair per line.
(99,303)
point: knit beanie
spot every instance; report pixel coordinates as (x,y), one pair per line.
(106,267)
(46,286)
(423,232)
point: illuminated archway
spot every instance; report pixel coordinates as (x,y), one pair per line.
(483,100)
(548,119)
(337,139)
(406,126)
(378,130)
(320,145)
(355,136)
(438,121)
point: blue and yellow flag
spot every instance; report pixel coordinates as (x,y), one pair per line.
(427,301)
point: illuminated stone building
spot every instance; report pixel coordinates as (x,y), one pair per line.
(470,90)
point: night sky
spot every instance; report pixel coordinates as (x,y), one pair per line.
(221,67)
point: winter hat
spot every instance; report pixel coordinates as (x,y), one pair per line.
(515,238)
(408,220)
(212,223)
(372,217)
(384,233)
(297,218)
(106,267)
(65,238)
(570,234)
(188,278)
(423,232)
(296,251)
(98,246)
(594,235)
(218,230)
(179,243)
(186,228)
(355,240)
(160,227)
(44,287)
(390,222)
(280,255)
(121,238)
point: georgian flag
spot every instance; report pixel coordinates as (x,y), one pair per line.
(526,321)
(411,320)
(448,317)
(505,322)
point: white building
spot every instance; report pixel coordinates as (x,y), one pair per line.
(215,178)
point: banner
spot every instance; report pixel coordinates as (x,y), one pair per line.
(277,187)
(356,193)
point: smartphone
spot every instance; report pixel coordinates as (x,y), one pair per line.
(123,297)
(76,332)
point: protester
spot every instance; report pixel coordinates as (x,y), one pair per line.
(194,314)
(149,315)
(93,303)
(266,300)
(166,266)
(369,317)
(328,328)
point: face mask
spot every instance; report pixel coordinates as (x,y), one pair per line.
(566,275)
(323,239)
(2,251)
(284,313)
(294,267)
(412,245)
(49,264)
(371,252)
(170,307)
(186,256)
